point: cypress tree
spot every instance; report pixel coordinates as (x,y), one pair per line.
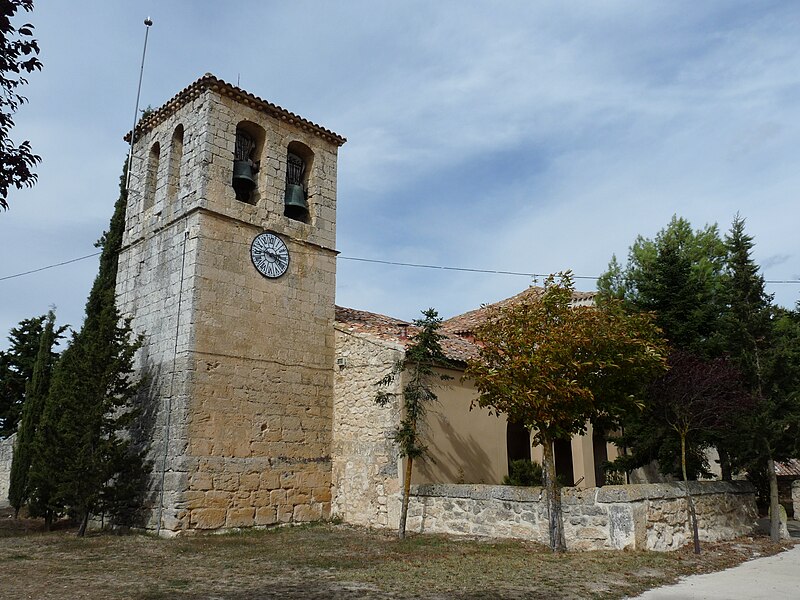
(16,369)
(89,406)
(763,341)
(35,395)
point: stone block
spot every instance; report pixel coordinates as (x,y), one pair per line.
(307,512)
(240,517)
(266,515)
(250,482)
(207,518)
(322,494)
(200,481)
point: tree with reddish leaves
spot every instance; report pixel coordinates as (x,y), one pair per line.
(694,398)
(18,55)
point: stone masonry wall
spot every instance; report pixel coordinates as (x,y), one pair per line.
(160,241)
(238,406)
(366,485)
(262,401)
(646,516)
(796,499)
(6,455)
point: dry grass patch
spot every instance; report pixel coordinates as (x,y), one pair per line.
(331,561)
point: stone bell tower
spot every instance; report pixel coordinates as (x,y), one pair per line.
(228,270)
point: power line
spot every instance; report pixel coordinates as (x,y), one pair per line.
(66,262)
(392,263)
(421,266)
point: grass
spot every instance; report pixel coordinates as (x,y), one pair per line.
(330,561)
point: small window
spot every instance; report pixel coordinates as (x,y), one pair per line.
(175,158)
(151,175)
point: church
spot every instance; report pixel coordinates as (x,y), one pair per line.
(259,405)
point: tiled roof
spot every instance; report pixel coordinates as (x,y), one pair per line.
(469,322)
(459,344)
(401,332)
(380,326)
(788,468)
(209,81)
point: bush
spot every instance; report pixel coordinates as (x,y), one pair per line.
(523,472)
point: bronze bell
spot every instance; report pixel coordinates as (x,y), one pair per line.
(295,205)
(244,179)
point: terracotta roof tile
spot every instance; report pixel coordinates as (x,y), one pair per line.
(398,331)
(459,344)
(209,81)
(788,468)
(469,322)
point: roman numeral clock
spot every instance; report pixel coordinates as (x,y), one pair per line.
(270,255)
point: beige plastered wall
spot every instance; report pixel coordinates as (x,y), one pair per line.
(468,445)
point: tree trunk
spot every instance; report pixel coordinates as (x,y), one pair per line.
(774,505)
(48,519)
(401,531)
(84,523)
(689,499)
(553,493)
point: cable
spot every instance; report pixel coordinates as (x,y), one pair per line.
(66,262)
(396,264)
(420,266)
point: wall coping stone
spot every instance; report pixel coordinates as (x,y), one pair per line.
(609,494)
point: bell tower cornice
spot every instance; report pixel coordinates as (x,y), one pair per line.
(215,84)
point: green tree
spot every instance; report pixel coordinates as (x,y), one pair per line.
(554,368)
(417,371)
(19,52)
(694,397)
(35,395)
(679,276)
(83,458)
(16,369)
(765,344)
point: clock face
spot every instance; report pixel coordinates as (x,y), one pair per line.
(270,255)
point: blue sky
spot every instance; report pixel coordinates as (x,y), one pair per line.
(516,136)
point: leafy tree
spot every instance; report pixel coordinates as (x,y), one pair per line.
(554,368)
(694,397)
(35,395)
(83,460)
(416,369)
(18,54)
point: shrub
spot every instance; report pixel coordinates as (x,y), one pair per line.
(523,472)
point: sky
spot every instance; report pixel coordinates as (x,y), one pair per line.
(521,136)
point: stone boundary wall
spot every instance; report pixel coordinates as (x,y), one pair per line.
(6,454)
(643,516)
(796,499)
